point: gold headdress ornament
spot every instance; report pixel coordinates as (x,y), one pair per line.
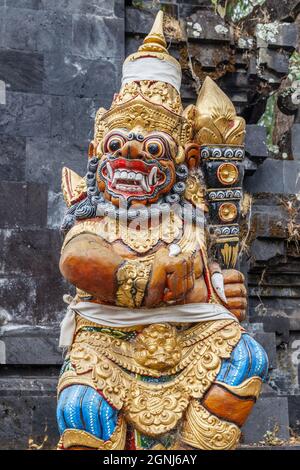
(149,95)
(216,121)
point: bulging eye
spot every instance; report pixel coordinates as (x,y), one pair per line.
(114,143)
(155,148)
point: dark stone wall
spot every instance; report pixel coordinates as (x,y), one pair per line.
(59,61)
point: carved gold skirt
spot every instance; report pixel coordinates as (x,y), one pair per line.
(151,373)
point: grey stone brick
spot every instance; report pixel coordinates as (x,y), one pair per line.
(26,114)
(22,71)
(291,177)
(30,252)
(12,161)
(267,413)
(295,141)
(294,413)
(286,37)
(31,300)
(267,178)
(25,204)
(31,345)
(263,250)
(255,141)
(94,7)
(139,21)
(274,60)
(33,4)
(77,76)
(37,30)
(46,157)
(27,410)
(72,116)
(95,37)
(207,26)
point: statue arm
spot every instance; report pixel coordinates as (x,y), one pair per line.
(91,264)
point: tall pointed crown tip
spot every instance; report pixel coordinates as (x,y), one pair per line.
(156,37)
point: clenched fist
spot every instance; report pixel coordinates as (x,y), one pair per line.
(235,292)
(172,277)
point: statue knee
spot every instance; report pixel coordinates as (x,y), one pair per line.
(248,359)
(82,408)
(238,383)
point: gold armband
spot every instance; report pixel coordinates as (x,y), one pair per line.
(132,279)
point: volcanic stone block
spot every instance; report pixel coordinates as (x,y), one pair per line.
(264,250)
(26,114)
(208,55)
(34,300)
(27,411)
(267,179)
(12,161)
(76,76)
(24,204)
(291,177)
(93,7)
(139,21)
(73,116)
(295,141)
(286,37)
(37,30)
(255,141)
(22,71)
(275,61)
(46,157)
(33,4)
(31,252)
(268,414)
(294,413)
(269,223)
(208,27)
(31,345)
(95,37)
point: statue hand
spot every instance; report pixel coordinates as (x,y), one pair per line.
(171,278)
(236,293)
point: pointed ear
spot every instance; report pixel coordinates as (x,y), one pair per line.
(192,155)
(73,186)
(92,148)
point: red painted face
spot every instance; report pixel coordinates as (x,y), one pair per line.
(136,167)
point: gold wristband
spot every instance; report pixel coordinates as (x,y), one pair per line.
(132,277)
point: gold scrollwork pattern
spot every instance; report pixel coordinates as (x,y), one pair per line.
(205,431)
(109,364)
(79,438)
(158,92)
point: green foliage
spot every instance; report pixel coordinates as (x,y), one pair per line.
(236,10)
(294,67)
(268,121)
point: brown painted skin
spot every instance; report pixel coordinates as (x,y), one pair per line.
(91,264)
(228,406)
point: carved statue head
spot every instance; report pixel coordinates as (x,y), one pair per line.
(140,139)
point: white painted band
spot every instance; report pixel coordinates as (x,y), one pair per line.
(109,315)
(150,68)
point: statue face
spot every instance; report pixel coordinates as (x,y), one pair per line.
(137,166)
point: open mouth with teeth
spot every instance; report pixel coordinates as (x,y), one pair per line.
(132,177)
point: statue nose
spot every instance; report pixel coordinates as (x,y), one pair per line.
(132,149)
